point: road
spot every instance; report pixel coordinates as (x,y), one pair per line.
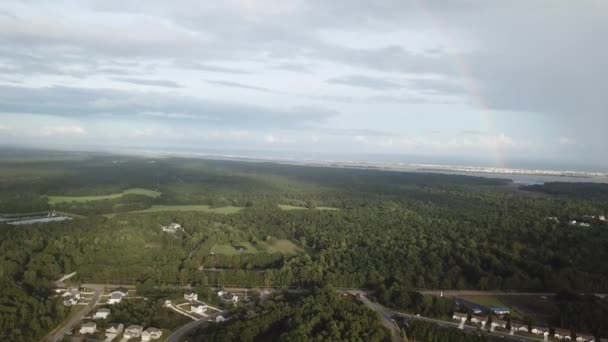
(385,313)
(181,333)
(388,314)
(72,321)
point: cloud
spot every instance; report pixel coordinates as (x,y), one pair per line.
(209,67)
(146,82)
(82,102)
(365,82)
(239,85)
(69,131)
(567,141)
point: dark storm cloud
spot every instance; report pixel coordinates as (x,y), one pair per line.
(81,102)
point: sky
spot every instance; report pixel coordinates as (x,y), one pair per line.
(490,81)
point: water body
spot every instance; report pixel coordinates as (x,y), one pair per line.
(39,220)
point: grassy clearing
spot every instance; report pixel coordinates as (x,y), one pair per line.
(494,302)
(231,249)
(293,207)
(290,207)
(279,246)
(202,208)
(135,191)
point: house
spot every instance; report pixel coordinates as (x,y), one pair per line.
(220,319)
(151,334)
(584,224)
(498,323)
(478,319)
(500,311)
(562,334)
(572,222)
(88,328)
(168,303)
(70,301)
(228,297)
(102,313)
(199,309)
(540,331)
(459,316)
(191,296)
(585,338)
(115,298)
(172,228)
(133,331)
(114,329)
(519,327)
(602,218)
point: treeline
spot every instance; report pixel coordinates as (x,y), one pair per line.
(398,297)
(582,313)
(431,332)
(320,316)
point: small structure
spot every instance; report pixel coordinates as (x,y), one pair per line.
(500,311)
(172,228)
(562,334)
(168,303)
(498,323)
(88,328)
(70,301)
(191,296)
(133,331)
(602,218)
(199,309)
(220,319)
(459,316)
(114,329)
(102,313)
(117,295)
(478,319)
(151,334)
(519,327)
(540,331)
(584,224)
(73,292)
(228,297)
(585,338)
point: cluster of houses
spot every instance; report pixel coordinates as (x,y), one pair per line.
(559,334)
(115,329)
(584,221)
(172,228)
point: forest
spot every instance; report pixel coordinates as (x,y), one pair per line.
(417,230)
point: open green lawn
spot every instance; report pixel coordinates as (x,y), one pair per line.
(204,208)
(278,246)
(135,191)
(293,207)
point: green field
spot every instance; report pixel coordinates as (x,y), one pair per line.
(203,208)
(293,207)
(135,191)
(279,246)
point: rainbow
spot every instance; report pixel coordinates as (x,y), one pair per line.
(471,86)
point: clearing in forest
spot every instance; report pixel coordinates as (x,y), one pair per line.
(203,208)
(293,207)
(279,246)
(134,191)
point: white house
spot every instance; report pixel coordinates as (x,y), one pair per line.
(199,309)
(540,331)
(115,298)
(228,297)
(133,331)
(151,334)
(585,338)
(191,296)
(73,292)
(114,329)
(102,313)
(602,218)
(70,301)
(88,328)
(478,319)
(519,327)
(172,228)
(499,324)
(562,334)
(459,316)
(220,319)
(168,303)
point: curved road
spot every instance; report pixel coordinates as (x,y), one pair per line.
(180,334)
